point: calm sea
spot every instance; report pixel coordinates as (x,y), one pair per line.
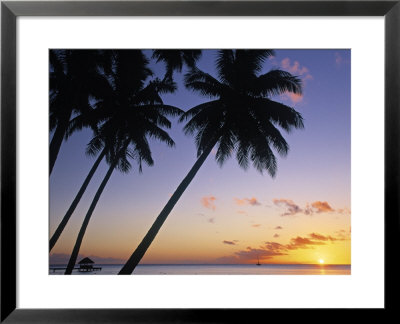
(211,269)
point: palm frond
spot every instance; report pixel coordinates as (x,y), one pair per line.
(285,116)
(276,82)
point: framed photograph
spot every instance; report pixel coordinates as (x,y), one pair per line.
(273,131)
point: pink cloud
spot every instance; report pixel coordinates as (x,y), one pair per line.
(291,208)
(247,201)
(240,202)
(293,97)
(338,59)
(297,69)
(294,68)
(208,202)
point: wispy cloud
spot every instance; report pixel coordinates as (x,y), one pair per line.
(340,60)
(299,70)
(303,243)
(344,211)
(320,237)
(208,202)
(256,225)
(292,208)
(229,242)
(293,97)
(271,249)
(343,234)
(247,201)
(294,68)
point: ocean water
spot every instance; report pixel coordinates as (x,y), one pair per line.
(216,269)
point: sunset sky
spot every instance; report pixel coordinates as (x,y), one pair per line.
(227,215)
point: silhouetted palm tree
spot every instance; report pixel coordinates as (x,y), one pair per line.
(241,119)
(104,107)
(132,114)
(74,78)
(74,204)
(175,59)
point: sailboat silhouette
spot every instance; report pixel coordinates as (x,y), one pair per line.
(258,261)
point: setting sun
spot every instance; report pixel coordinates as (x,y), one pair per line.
(321,261)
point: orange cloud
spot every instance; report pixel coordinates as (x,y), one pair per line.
(240,202)
(322,237)
(256,225)
(344,211)
(208,202)
(302,243)
(322,206)
(247,201)
(271,249)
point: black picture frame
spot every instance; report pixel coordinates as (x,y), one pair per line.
(10,10)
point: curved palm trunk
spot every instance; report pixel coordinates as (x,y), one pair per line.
(138,254)
(85,223)
(56,142)
(78,197)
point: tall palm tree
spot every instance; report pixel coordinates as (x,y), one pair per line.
(102,107)
(242,118)
(175,59)
(133,113)
(88,117)
(75,77)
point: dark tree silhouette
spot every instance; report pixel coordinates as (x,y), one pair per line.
(74,78)
(242,118)
(75,202)
(175,59)
(131,114)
